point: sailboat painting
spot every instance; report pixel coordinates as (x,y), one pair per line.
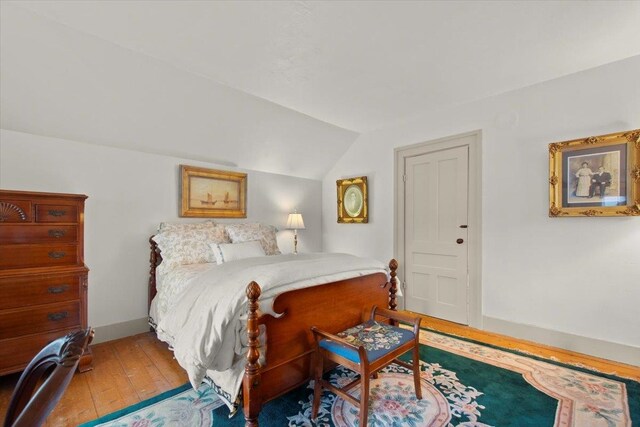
(213,193)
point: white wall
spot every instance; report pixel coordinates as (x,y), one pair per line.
(130,193)
(578,276)
(63,83)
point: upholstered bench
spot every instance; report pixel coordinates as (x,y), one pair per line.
(366,349)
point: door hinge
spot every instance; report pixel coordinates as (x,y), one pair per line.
(404,178)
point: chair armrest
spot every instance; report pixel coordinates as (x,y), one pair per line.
(333,337)
(395,315)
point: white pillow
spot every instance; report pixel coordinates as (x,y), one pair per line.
(248,231)
(225,252)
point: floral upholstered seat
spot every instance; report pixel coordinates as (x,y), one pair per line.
(377,339)
(365,349)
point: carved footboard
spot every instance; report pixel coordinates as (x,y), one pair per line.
(332,307)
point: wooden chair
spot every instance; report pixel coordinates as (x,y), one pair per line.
(45,379)
(366,349)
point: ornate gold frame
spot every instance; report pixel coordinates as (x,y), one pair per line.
(188,172)
(632,172)
(342,186)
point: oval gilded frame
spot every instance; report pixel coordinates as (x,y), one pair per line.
(353,200)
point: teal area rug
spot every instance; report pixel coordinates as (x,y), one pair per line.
(464,384)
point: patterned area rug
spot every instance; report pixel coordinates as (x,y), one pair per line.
(464,384)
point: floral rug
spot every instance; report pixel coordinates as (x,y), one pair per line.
(464,384)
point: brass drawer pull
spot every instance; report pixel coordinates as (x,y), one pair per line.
(58,316)
(56,212)
(58,289)
(55,233)
(57,254)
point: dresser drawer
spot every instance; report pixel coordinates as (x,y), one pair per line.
(43,318)
(12,211)
(56,213)
(22,256)
(38,233)
(25,291)
(17,352)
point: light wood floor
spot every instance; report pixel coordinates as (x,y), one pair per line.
(126,371)
(545,351)
(132,369)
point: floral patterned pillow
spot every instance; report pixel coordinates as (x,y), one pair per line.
(180,247)
(249,231)
(185,226)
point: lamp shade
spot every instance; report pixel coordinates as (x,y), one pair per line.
(295,222)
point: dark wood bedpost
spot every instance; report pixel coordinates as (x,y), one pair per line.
(252,399)
(154,260)
(393,266)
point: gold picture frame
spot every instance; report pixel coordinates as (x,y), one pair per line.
(212,193)
(595,176)
(353,200)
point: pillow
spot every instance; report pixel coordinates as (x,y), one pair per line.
(184,226)
(188,246)
(225,252)
(246,232)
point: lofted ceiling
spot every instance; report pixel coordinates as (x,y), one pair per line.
(281,86)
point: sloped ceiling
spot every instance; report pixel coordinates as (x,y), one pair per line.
(281,86)
(56,81)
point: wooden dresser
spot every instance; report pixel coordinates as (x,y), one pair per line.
(43,279)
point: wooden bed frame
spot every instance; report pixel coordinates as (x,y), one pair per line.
(331,307)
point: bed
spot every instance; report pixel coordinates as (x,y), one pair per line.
(331,306)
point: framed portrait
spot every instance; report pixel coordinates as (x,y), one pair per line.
(212,193)
(353,200)
(595,176)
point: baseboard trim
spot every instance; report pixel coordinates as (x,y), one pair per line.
(120,330)
(591,346)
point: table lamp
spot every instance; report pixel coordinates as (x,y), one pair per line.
(295,223)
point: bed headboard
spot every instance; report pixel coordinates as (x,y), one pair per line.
(155,258)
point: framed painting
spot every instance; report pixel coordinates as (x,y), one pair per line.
(212,193)
(353,200)
(595,176)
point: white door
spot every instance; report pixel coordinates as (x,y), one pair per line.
(436,198)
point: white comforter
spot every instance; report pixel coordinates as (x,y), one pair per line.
(206,323)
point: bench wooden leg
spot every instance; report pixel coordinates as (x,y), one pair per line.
(364,399)
(416,371)
(317,387)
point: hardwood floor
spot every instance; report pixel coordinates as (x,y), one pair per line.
(545,351)
(125,372)
(132,369)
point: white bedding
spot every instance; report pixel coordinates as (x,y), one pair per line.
(200,310)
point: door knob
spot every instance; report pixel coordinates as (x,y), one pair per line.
(460,241)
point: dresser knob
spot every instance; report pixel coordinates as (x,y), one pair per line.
(58,289)
(57,254)
(55,233)
(58,316)
(56,212)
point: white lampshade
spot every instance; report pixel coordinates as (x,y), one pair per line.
(295,222)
